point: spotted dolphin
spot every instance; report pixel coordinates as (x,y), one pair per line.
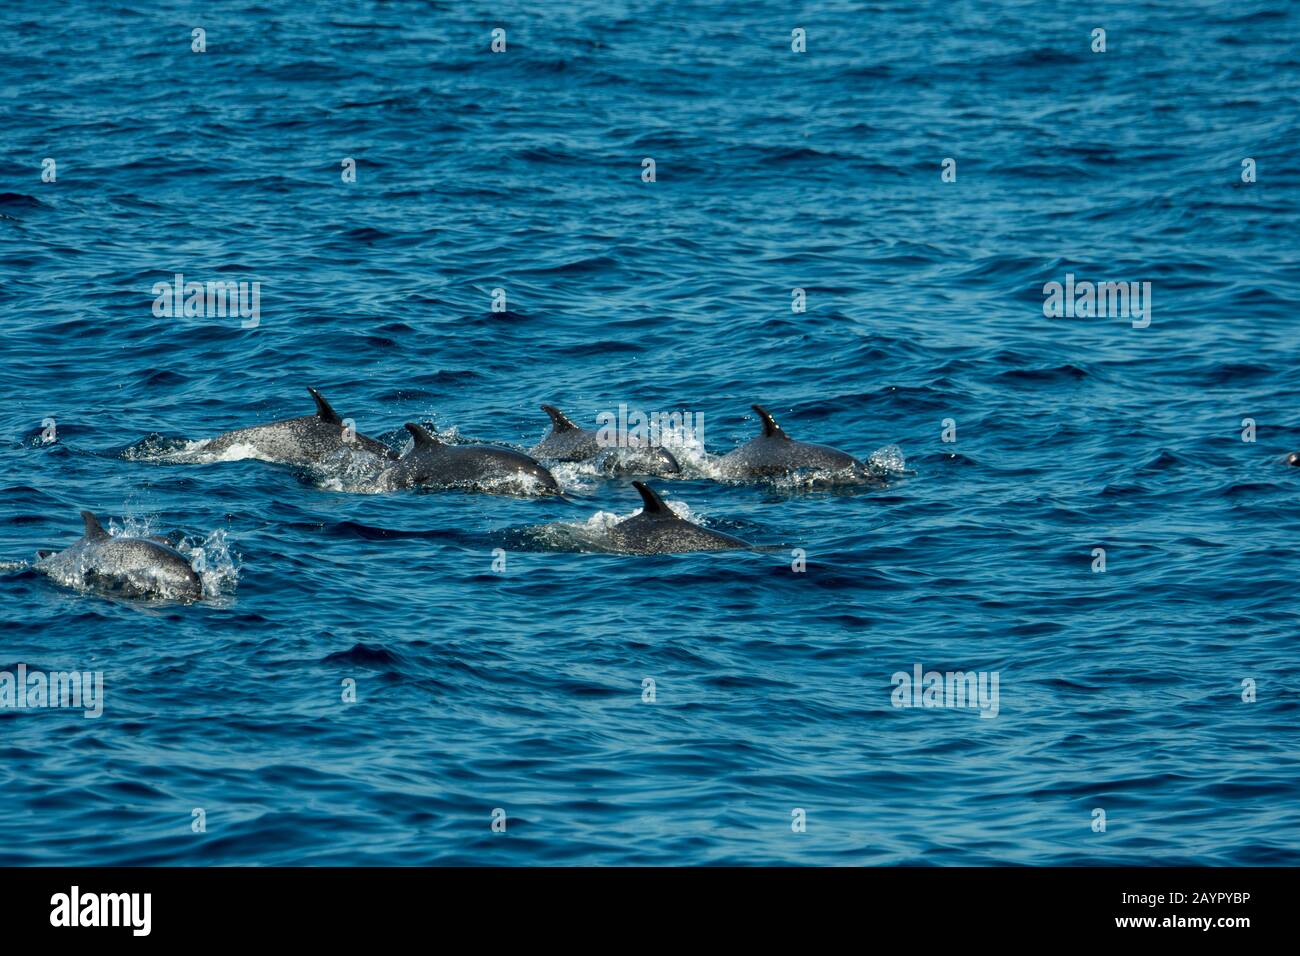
(567,441)
(657,529)
(490,468)
(298,441)
(774,454)
(124,565)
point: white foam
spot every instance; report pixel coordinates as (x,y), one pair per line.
(192,452)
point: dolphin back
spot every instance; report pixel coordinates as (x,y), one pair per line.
(774,454)
(660,530)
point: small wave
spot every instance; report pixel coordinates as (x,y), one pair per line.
(367,532)
(364,655)
(574,267)
(1163,461)
(21,201)
(1045,376)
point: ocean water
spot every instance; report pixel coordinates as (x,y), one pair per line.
(1161,691)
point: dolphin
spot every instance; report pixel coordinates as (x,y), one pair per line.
(568,442)
(299,441)
(774,454)
(489,468)
(1293,458)
(129,566)
(658,530)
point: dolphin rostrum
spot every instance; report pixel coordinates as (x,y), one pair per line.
(658,530)
(774,454)
(129,566)
(299,441)
(490,468)
(569,442)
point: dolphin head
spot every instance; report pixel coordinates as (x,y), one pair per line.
(523,464)
(651,460)
(665,462)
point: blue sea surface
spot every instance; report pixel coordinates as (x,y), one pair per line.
(1163,690)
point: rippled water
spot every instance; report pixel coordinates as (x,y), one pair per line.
(522,689)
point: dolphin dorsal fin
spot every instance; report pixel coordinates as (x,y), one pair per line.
(770,428)
(422,437)
(559,421)
(653,504)
(94,530)
(323,410)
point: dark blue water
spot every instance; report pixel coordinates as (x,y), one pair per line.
(521,690)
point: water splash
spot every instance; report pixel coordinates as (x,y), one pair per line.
(214,560)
